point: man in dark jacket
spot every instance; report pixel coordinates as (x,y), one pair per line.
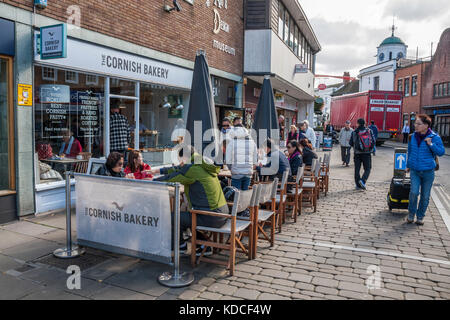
(362,142)
(374,129)
(276,164)
(199,176)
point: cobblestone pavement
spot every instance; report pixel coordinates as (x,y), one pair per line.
(329,254)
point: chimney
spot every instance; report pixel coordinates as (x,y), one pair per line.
(346,74)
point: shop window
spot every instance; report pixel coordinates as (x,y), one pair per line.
(440,92)
(435,90)
(72,77)
(91,79)
(414,86)
(376,83)
(49,74)
(68,121)
(407,87)
(280,20)
(296,41)
(286,27)
(400,85)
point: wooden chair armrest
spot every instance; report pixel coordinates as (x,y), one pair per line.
(210,213)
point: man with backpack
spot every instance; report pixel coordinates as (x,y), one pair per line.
(363,142)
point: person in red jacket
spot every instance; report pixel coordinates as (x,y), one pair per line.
(71,147)
(136,168)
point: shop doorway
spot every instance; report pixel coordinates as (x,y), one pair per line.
(124,95)
(8,210)
(442,127)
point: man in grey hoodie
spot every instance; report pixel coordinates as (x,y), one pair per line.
(344,140)
(241,157)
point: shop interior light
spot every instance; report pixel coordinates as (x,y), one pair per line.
(166,103)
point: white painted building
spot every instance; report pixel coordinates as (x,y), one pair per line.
(381,75)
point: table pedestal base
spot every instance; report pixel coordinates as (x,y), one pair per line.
(168,279)
(65,253)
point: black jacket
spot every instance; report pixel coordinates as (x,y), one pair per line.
(105,171)
(308,156)
(295,162)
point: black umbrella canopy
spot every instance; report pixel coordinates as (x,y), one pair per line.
(266,115)
(201,105)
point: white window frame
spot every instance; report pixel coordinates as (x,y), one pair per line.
(70,80)
(91,82)
(413,94)
(55,72)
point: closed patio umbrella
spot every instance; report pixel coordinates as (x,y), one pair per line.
(266,115)
(201,105)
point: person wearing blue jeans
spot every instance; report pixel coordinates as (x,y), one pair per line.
(241,155)
(423,149)
(241,182)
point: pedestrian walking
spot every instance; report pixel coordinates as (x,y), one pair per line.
(405,132)
(293,134)
(374,129)
(310,134)
(120,135)
(281,126)
(424,148)
(362,142)
(241,157)
(344,140)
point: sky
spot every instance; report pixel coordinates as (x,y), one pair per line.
(349,31)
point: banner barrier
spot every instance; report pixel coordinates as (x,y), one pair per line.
(124,216)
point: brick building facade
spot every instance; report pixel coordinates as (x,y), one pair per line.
(436,89)
(104,39)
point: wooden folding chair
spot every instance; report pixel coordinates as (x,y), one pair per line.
(233,227)
(310,186)
(294,197)
(281,200)
(265,216)
(81,167)
(324,176)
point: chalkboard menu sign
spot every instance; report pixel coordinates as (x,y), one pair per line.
(88,114)
(55,100)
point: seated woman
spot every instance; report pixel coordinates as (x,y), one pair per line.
(307,152)
(136,168)
(71,147)
(295,156)
(113,166)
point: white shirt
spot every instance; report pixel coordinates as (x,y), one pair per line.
(311,135)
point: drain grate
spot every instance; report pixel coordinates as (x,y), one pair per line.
(84,261)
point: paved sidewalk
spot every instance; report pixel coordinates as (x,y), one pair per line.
(325,255)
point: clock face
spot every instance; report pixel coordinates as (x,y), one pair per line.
(399,55)
(381,56)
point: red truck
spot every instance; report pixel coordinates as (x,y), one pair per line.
(384,107)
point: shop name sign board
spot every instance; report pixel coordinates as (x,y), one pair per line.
(386,102)
(91,58)
(54,42)
(124,216)
(301,68)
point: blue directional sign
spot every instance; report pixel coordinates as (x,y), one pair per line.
(400,161)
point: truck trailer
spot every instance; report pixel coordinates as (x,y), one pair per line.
(383,107)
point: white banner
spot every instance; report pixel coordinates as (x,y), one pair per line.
(393,109)
(377,109)
(386,102)
(89,57)
(124,216)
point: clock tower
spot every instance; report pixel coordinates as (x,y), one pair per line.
(392,48)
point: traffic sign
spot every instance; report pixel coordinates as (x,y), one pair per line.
(400,161)
(322,86)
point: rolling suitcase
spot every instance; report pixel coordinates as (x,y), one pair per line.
(398,196)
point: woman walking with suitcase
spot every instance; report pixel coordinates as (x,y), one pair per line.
(424,148)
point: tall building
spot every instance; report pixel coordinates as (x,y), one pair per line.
(381,75)
(279,41)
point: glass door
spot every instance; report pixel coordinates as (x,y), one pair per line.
(7,170)
(123,95)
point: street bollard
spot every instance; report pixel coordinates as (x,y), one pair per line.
(176,279)
(70,251)
(400,158)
